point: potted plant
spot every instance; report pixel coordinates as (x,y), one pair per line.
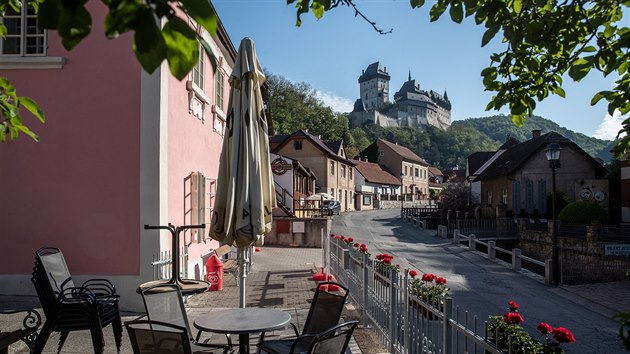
(430,289)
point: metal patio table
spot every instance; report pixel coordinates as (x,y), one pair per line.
(186,286)
(242,321)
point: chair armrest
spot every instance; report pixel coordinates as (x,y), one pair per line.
(76,295)
(100,287)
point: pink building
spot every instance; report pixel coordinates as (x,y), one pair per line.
(120,149)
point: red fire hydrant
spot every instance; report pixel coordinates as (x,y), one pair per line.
(214,273)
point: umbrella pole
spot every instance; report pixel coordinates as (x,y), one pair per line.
(242,268)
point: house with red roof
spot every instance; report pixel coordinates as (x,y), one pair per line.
(411,169)
(333,171)
(518,177)
(373,184)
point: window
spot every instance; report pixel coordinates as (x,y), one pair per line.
(199,71)
(343,171)
(218,88)
(350,172)
(367,200)
(332,168)
(504,196)
(489,198)
(405,170)
(416,172)
(23,37)
(297,144)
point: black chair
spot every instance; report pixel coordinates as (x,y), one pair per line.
(164,303)
(324,313)
(67,307)
(156,337)
(332,341)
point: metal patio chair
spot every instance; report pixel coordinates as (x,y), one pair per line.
(156,337)
(331,341)
(324,314)
(164,303)
(68,307)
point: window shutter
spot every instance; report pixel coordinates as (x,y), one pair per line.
(529,196)
(542,196)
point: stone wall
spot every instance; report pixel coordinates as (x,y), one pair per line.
(298,232)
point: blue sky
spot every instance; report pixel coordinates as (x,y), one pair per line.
(329,54)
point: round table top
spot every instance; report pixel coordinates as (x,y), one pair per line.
(186,286)
(247,320)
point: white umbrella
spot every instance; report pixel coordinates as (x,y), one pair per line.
(320,197)
(245,192)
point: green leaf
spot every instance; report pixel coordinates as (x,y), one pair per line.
(559,91)
(182,48)
(202,12)
(489,34)
(517,6)
(148,42)
(589,49)
(457,12)
(3,30)
(598,96)
(518,119)
(437,10)
(318,9)
(24,129)
(416,3)
(50,14)
(74,25)
(32,107)
(580,68)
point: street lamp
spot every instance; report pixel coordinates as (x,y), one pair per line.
(402,200)
(553,156)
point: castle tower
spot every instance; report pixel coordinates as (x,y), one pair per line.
(374,86)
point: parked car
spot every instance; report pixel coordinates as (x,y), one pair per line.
(331,207)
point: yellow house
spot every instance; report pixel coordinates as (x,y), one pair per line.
(326,159)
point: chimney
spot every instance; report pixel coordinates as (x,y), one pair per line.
(535,133)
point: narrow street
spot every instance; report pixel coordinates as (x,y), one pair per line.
(483,287)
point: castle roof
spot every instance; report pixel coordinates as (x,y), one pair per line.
(374,70)
(358,106)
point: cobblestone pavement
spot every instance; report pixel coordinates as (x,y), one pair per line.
(279,278)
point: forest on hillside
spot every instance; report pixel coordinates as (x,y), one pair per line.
(295,106)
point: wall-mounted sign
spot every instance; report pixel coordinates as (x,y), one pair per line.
(298,226)
(617,250)
(280,166)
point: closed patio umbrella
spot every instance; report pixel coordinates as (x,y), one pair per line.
(245,192)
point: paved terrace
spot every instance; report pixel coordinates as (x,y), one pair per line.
(280,278)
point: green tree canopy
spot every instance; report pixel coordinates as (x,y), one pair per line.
(543,39)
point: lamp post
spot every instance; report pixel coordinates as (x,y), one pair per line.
(553,156)
(402,200)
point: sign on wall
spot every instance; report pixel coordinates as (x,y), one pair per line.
(617,250)
(280,166)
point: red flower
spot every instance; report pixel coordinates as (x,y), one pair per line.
(428,277)
(512,318)
(513,305)
(333,235)
(413,273)
(343,238)
(440,280)
(397,265)
(386,261)
(544,328)
(350,239)
(363,248)
(379,256)
(356,244)
(563,335)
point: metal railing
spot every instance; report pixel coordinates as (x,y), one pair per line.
(163,262)
(543,268)
(404,322)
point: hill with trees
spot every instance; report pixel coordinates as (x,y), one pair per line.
(296,106)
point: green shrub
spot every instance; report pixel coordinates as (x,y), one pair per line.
(583,213)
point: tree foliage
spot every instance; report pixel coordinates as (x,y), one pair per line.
(161,31)
(296,106)
(543,40)
(498,128)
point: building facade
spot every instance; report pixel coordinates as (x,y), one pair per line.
(120,149)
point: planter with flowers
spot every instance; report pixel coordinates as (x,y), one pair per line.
(430,289)
(383,265)
(502,328)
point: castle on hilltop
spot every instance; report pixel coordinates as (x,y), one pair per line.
(412,107)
